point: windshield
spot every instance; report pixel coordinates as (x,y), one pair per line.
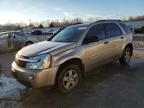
(69,35)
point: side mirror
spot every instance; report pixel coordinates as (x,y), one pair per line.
(49,39)
(90,39)
(53,33)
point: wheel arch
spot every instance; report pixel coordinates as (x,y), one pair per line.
(130,45)
(76,61)
(29,41)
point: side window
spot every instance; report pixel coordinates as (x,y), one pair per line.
(96,33)
(125,28)
(4,36)
(16,35)
(20,34)
(112,30)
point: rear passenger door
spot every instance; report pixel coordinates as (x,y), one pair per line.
(95,47)
(114,39)
(4,42)
(18,39)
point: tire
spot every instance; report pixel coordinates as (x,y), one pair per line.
(28,43)
(69,78)
(125,59)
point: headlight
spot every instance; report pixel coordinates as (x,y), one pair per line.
(39,62)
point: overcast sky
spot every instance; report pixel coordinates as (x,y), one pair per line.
(38,10)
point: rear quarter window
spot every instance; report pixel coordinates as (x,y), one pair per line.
(125,28)
(112,30)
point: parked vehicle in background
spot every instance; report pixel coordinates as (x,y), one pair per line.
(16,39)
(71,53)
(51,31)
(45,31)
(11,40)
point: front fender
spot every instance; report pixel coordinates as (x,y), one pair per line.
(65,56)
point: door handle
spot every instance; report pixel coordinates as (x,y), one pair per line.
(122,37)
(106,42)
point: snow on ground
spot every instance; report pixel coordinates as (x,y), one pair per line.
(10,89)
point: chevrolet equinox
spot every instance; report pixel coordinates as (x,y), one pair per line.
(71,53)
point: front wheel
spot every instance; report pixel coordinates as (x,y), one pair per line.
(125,59)
(69,78)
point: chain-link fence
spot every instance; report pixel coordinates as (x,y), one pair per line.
(138,41)
(138,44)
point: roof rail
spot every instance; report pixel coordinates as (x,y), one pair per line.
(109,20)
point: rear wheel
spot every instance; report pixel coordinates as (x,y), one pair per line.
(69,78)
(125,59)
(28,43)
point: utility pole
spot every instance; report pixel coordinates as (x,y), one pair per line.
(9,22)
(29,22)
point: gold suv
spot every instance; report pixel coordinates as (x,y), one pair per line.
(71,53)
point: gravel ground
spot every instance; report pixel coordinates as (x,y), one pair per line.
(110,86)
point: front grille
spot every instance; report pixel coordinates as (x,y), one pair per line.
(20,63)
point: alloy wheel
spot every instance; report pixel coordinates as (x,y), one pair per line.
(70,79)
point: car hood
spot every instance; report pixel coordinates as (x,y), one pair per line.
(45,47)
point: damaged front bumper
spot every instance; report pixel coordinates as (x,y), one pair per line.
(35,78)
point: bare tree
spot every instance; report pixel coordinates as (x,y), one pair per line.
(139,18)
